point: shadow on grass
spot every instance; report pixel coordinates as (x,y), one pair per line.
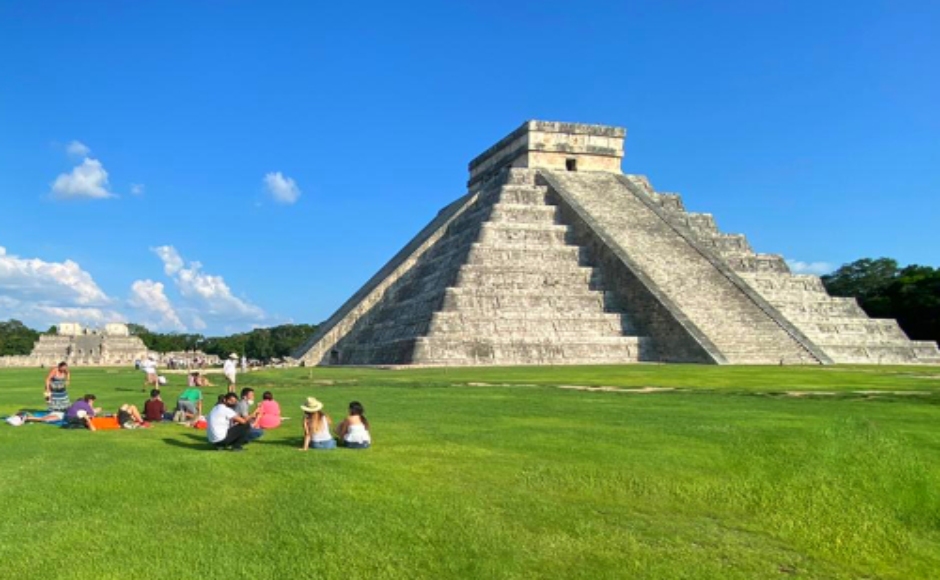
(194,442)
(289,442)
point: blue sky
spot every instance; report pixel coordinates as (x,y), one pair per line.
(264,159)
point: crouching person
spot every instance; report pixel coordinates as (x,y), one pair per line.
(81,412)
(225,427)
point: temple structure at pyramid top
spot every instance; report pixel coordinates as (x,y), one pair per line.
(553,256)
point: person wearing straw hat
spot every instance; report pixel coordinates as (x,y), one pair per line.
(230,370)
(317,432)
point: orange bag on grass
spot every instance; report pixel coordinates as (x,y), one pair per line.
(105,423)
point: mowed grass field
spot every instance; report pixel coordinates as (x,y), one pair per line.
(495,473)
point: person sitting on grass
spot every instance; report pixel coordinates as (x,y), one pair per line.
(243,408)
(189,405)
(128,417)
(81,412)
(268,415)
(196,379)
(354,430)
(225,427)
(317,432)
(154,407)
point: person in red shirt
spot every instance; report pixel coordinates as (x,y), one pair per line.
(154,408)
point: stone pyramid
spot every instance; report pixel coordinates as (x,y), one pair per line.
(555,257)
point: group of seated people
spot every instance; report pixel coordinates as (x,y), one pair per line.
(231,423)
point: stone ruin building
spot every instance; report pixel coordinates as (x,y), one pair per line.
(80,346)
(554,256)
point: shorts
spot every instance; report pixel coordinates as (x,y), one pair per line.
(230,377)
(186,406)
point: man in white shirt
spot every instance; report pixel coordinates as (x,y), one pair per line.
(225,428)
(230,369)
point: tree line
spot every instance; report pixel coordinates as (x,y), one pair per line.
(261,344)
(911,294)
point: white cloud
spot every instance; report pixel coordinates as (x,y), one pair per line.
(77,149)
(88,180)
(148,297)
(172,261)
(817,268)
(137,189)
(43,293)
(36,280)
(208,292)
(282,189)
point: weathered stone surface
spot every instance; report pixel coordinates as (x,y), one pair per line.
(555,257)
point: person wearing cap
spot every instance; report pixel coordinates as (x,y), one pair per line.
(225,427)
(230,370)
(317,432)
(81,413)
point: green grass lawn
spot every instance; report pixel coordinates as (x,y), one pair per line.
(495,473)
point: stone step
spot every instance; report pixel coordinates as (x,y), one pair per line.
(758,263)
(882,354)
(811,310)
(504,233)
(504,326)
(763,281)
(431,350)
(519,213)
(477,276)
(521,176)
(512,254)
(488,301)
(532,195)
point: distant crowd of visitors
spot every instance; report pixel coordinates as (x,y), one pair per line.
(230,424)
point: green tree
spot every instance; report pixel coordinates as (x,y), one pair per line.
(16,338)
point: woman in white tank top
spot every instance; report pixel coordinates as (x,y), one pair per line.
(354,430)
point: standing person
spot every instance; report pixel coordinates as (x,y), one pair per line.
(268,415)
(154,407)
(316,426)
(244,364)
(225,428)
(230,369)
(57,382)
(81,412)
(149,366)
(189,405)
(354,430)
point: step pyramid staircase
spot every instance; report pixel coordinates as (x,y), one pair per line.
(555,257)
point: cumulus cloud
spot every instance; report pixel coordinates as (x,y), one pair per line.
(137,189)
(210,293)
(77,149)
(150,299)
(172,261)
(42,293)
(282,189)
(817,268)
(88,180)
(37,280)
